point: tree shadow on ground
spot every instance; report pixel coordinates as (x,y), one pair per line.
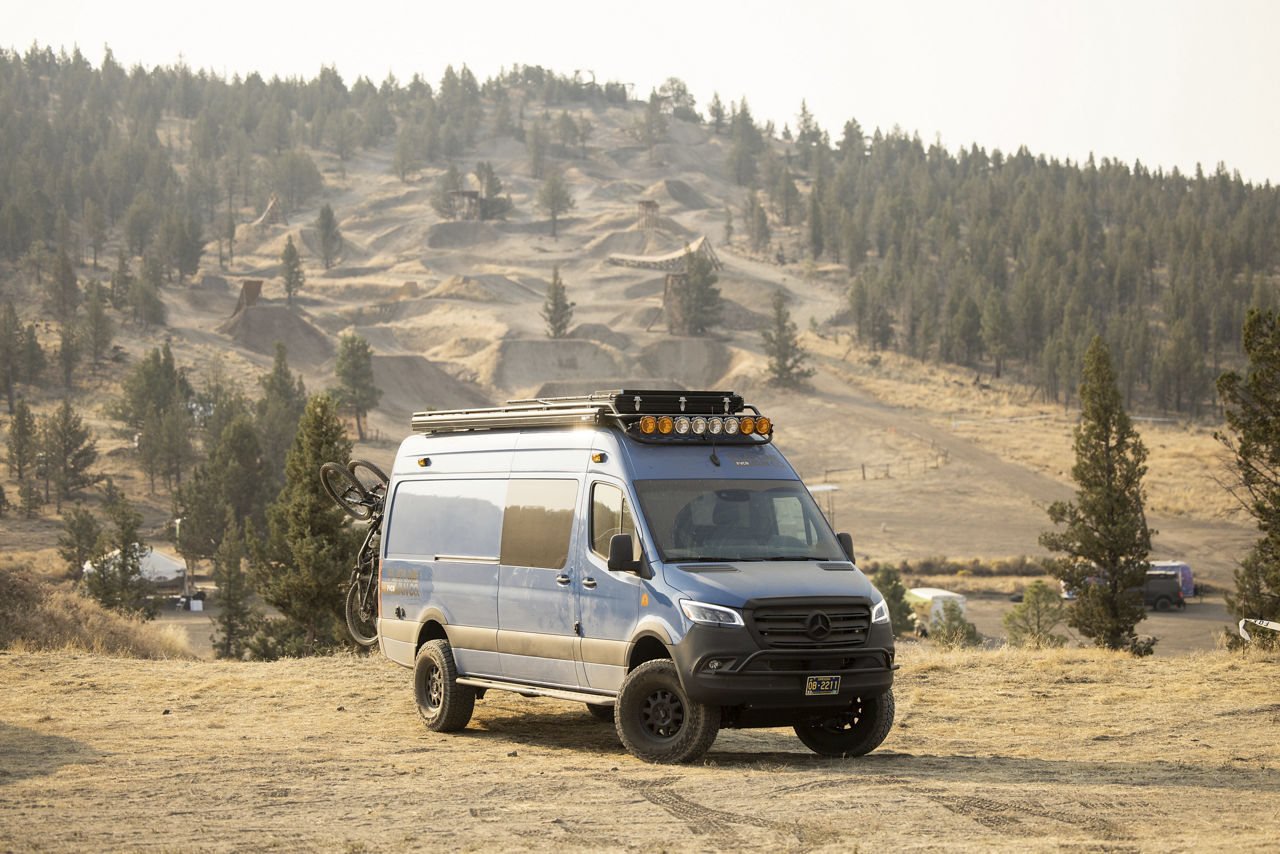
(25,752)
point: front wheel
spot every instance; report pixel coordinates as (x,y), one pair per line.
(656,720)
(854,731)
(445,705)
(362,621)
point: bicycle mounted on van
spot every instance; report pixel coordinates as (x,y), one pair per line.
(650,551)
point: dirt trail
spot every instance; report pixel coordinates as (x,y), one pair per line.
(992,751)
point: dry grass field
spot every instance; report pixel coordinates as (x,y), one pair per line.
(998,750)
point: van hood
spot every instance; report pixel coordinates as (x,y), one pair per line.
(733,583)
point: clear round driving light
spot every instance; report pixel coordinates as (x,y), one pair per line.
(682,425)
(730,426)
(715,426)
(699,426)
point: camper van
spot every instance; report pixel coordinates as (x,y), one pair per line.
(650,554)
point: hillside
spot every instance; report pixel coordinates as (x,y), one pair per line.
(926,453)
(992,751)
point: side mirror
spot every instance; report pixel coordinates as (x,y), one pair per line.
(846,543)
(620,559)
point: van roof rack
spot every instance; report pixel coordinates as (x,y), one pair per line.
(623,408)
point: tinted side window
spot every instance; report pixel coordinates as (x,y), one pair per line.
(610,514)
(538,522)
(454,518)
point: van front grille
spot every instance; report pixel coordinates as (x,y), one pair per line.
(816,625)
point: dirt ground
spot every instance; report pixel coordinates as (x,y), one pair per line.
(1052,751)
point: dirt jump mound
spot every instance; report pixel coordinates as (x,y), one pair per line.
(524,365)
(693,362)
(457,235)
(259,327)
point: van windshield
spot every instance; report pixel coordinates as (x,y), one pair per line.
(712,520)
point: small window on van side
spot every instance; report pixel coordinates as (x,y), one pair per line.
(538,522)
(610,514)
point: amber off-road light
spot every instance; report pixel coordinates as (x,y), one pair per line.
(763,426)
(648,425)
(665,425)
(747,425)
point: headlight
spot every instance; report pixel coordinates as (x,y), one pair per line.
(710,615)
(880,612)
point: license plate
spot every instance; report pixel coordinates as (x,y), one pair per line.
(819,685)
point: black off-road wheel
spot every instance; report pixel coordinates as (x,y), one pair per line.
(854,731)
(656,720)
(1164,603)
(361,622)
(345,489)
(445,705)
(604,714)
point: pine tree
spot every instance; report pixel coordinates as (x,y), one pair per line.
(23,441)
(1252,409)
(70,449)
(98,328)
(557,310)
(329,234)
(235,618)
(697,303)
(782,345)
(276,415)
(888,581)
(554,199)
(1106,540)
(300,568)
(79,542)
(354,369)
(291,270)
(1032,621)
(10,355)
(443,198)
(117,581)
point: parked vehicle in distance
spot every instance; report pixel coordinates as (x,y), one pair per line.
(1162,589)
(650,554)
(1185,580)
(927,605)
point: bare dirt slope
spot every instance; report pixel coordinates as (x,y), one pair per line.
(992,751)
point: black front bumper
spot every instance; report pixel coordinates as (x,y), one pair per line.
(727,667)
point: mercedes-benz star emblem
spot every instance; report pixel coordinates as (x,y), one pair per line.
(818,626)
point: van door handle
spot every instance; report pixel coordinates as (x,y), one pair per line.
(563,579)
(589,582)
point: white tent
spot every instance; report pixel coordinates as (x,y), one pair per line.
(156,566)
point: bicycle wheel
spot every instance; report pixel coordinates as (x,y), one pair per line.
(345,489)
(361,619)
(370,477)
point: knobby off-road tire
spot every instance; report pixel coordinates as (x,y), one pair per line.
(345,489)
(363,631)
(370,477)
(1164,603)
(445,705)
(656,720)
(604,714)
(858,730)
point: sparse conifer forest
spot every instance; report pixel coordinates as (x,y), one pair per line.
(130,194)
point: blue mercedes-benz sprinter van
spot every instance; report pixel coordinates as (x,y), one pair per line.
(648,553)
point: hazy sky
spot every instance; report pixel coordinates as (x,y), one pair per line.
(1169,82)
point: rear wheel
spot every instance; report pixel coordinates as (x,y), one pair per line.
(362,621)
(853,731)
(445,705)
(1164,603)
(345,489)
(656,720)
